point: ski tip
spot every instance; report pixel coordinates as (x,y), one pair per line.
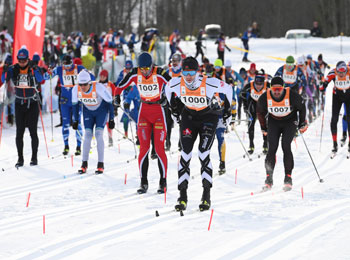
(181,213)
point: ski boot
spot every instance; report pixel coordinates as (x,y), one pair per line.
(143,186)
(343,139)
(110,142)
(251,150)
(268,182)
(20,162)
(264,150)
(77,151)
(245,59)
(335,147)
(287,183)
(66,150)
(182,201)
(125,135)
(34,161)
(205,201)
(83,167)
(100,168)
(162,186)
(222,168)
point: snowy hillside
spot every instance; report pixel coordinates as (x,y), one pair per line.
(102,217)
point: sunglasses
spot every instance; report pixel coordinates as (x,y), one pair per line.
(22,60)
(145,68)
(85,84)
(217,67)
(189,72)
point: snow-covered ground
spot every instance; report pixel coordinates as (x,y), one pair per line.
(101,217)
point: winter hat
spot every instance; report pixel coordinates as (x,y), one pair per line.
(190,63)
(309,56)
(252,66)
(301,60)
(218,63)
(228,63)
(104,73)
(145,60)
(23,54)
(242,71)
(129,64)
(290,60)
(341,66)
(320,57)
(84,77)
(176,57)
(36,57)
(77,61)
(277,81)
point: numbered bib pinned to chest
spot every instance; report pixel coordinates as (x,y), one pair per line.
(70,78)
(88,99)
(281,108)
(148,88)
(194,99)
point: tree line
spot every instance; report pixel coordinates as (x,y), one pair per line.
(274,18)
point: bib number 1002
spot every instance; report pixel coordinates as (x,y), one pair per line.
(148,88)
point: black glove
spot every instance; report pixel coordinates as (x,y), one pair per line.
(126,106)
(226,115)
(75,125)
(115,110)
(117,101)
(111,124)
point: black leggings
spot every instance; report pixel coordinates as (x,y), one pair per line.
(27,116)
(339,97)
(190,129)
(276,128)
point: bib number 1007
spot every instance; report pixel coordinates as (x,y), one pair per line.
(279,109)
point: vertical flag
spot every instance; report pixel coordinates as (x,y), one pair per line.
(30,19)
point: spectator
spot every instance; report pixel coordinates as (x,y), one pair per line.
(245,38)
(199,44)
(255,29)
(221,46)
(316,31)
(173,38)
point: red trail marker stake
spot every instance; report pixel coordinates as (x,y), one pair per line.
(72,160)
(44,224)
(211,217)
(302,192)
(125,178)
(236,177)
(28,199)
(118,148)
(164,195)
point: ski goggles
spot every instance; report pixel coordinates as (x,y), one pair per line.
(145,68)
(189,72)
(341,69)
(83,84)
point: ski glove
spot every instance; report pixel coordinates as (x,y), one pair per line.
(303,127)
(75,125)
(126,106)
(111,124)
(117,101)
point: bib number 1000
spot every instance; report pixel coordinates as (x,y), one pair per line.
(195,100)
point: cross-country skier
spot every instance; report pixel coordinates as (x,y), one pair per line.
(281,112)
(150,81)
(341,94)
(192,100)
(97,105)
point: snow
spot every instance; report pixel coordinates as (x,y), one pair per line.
(100,217)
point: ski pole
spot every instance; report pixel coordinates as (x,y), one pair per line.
(132,136)
(2,113)
(51,109)
(42,123)
(324,105)
(234,129)
(321,180)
